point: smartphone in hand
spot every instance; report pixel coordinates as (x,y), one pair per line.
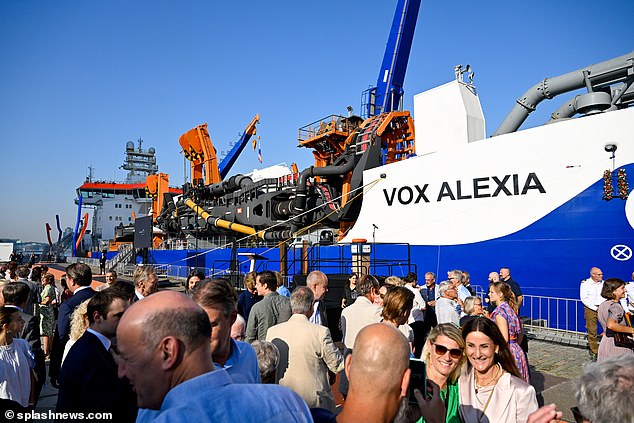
(417,379)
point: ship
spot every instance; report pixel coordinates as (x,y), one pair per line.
(392,191)
(115,204)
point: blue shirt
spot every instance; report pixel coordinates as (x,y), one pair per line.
(242,364)
(212,397)
(282,290)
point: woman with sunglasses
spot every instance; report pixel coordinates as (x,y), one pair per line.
(444,360)
(492,389)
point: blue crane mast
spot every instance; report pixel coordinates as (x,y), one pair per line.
(387,94)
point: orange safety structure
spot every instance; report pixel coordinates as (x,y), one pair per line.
(198,149)
(156,186)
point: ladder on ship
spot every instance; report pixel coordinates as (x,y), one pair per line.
(125,255)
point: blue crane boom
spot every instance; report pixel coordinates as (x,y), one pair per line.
(386,95)
(227,163)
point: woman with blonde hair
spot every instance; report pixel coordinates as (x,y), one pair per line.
(444,359)
(47,314)
(78,325)
(505,317)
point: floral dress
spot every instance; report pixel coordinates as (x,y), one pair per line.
(47,315)
(515,328)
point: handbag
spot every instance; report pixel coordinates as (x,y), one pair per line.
(624,340)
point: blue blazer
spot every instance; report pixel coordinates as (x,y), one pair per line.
(88,382)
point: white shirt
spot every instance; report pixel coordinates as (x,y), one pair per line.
(315,318)
(418,311)
(104,340)
(590,293)
(80,288)
(446,311)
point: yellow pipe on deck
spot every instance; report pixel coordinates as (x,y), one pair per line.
(221,223)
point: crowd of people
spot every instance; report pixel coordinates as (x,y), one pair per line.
(268,353)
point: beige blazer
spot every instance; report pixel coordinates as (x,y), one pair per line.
(357,316)
(307,352)
(512,401)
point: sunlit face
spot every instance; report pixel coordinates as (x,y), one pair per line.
(480,351)
(596,275)
(451,293)
(149,286)
(379,298)
(619,292)
(453,279)
(477,308)
(108,325)
(220,328)
(430,281)
(193,281)
(141,364)
(443,364)
(110,278)
(238,331)
(260,287)
(494,296)
(321,289)
(504,273)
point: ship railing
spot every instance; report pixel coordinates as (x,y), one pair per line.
(85,260)
(553,314)
(330,124)
(549,318)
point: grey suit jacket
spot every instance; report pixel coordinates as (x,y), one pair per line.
(271,310)
(307,352)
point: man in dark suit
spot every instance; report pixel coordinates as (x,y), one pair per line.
(17,295)
(88,380)
(78,279)
(145,282)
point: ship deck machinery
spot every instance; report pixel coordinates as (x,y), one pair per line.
(327,195)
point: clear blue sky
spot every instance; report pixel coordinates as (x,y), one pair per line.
(81,78)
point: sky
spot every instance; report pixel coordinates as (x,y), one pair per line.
(79,79)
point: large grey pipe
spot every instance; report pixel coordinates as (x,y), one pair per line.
(619,97)
(299,205)
(610,71)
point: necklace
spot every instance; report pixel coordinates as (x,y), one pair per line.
(490,395)
(487,382)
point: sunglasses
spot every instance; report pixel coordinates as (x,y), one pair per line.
(441,350)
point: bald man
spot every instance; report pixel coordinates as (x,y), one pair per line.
(317,281)
(590,294)
(378,373)
(164,344)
